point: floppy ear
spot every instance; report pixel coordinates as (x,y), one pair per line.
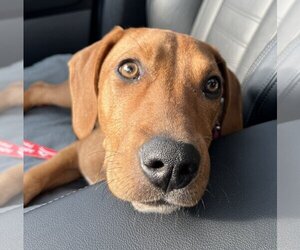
(232,120)
(84,68)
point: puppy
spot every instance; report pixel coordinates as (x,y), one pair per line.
(146,104)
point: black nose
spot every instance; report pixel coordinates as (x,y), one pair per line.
(169,164)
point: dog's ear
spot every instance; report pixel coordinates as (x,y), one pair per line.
(84,69)
(232,118)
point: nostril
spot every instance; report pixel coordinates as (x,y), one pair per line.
(158,172)
(155,164)
(183,175)
(184,169)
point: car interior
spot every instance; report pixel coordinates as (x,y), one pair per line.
(240,208)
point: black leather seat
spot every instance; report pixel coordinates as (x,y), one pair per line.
(239,211)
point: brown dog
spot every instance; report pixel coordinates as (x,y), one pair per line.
(158,97)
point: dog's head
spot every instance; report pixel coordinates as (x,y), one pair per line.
(159,97)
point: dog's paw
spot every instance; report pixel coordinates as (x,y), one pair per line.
(31,188)
(33,94)
(12,96)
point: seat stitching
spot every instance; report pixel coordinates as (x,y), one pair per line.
(58,198)
(261,91)
(258,28)
(288,49)
(267,91)
(259,60)
(11,209)
(230,37)
(280,60)
(243,13)
(287,91)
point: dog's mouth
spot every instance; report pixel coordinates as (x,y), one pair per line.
(159,206)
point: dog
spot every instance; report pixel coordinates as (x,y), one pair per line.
(11,180)
(146,104)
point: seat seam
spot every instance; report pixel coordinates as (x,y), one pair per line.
(288,49)
(214,21)
(242,13)
(284,54)
(263,88)
(287,91)
(11,209)
(280,60)
(230,37)
(259,61)
(258,28)
(264,98)
(59,198)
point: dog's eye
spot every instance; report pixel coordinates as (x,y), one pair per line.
(129,70)
(212,88)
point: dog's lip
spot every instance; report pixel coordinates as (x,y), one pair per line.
(159,206)
(157,203)
(165,202)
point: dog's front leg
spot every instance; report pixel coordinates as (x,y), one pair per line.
(61,169)
(10,183)
(12,96)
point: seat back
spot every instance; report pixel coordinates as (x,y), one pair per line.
(239,29)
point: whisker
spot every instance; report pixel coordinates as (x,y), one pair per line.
(203,204)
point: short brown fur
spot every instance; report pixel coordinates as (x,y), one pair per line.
(167,100)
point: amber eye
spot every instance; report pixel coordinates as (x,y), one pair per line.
(129,70)
(212,88)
